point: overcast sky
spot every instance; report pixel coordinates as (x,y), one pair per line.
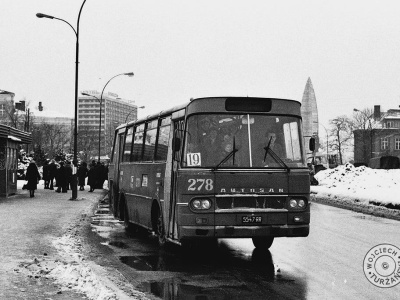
(184,49)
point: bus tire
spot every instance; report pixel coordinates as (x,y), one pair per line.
(129,227)
(263,242)
(113,202)
(159,228)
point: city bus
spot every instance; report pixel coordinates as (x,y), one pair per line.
(217,167)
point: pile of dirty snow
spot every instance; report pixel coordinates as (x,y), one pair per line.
(75,273)
(362,184)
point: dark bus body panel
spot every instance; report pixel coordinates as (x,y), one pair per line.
(145,185)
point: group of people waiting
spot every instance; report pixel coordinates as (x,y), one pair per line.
(59,175)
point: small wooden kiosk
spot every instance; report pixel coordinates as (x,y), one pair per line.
(10,141)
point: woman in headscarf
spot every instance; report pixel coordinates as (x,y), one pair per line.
(33,177)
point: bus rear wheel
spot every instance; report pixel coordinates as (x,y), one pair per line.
(263,242)
(160,231)
(113,202)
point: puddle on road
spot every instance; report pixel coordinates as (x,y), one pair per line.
(159,263)
(103,223)
(173,289)
(260,262)
(118,244)
(208,278)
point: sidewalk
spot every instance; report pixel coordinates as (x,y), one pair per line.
(30,229)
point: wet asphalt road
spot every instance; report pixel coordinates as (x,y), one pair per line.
(328,264)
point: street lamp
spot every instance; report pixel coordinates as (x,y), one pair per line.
(130,74)
(369,128)
(126,119)
(74,183)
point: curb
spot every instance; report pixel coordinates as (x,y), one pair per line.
(354,205)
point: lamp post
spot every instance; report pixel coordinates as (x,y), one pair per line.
(130,74)
(74,183)
(126,119)
(369,128)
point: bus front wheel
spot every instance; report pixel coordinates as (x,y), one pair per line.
(263,242)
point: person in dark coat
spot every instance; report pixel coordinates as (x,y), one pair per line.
(68,169)
(52,173)
(82,174)
(101,175)
(46,174)
(92,176)
(33,177)
(61,178)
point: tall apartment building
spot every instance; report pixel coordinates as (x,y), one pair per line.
(114,111)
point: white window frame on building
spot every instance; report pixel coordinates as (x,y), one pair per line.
(397,143)
(385,143)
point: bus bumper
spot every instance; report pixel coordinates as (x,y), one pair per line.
(244,231)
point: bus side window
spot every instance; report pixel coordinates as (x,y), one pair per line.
(162,141)
(128,144)
(138,143)
(178,133)
(150,141)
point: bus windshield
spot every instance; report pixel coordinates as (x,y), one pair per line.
(243,141)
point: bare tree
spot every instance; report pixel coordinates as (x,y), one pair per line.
(87,141)
(342,135)
(50,137)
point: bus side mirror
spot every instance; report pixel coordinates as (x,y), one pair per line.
(176,144)
(312,144)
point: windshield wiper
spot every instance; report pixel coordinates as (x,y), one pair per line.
(274,156)
(267,149)
(228,156)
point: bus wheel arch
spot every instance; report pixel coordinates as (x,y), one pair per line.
(121,207)
(157,222)
(114,199)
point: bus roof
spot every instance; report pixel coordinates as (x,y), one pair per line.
(245,105)
(219,104)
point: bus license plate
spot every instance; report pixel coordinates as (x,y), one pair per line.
(251,219)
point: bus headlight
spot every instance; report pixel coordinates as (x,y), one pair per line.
(201,204)
(297,203)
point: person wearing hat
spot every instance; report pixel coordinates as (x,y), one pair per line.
(33,177)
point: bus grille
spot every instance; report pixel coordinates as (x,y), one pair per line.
(251,202)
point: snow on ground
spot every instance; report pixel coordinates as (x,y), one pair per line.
(362,183)
(75,273)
